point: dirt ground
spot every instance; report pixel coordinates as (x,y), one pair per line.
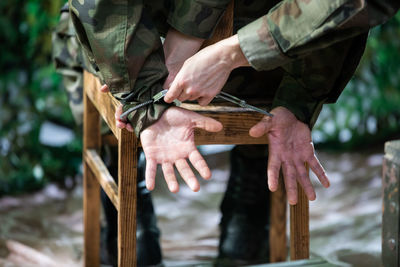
(45,228)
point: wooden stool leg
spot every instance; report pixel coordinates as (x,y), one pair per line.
(127,177)
(299,228)
(91,188)
(277,232)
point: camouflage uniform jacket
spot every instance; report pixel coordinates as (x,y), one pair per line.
(318,43)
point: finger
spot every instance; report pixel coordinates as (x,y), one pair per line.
(187,174)
(319,171)
(151,170)
(173,92)
(169,176)
(274,165)
(304,179)
(204,101)
(129,127)
(289,175)
(118,112)
(184,96)
(206,123)
(193,97)
(200,164)
(120,124)
(261,128)
(104,88)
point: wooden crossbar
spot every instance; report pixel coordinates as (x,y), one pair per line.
(236,120)
(102,175)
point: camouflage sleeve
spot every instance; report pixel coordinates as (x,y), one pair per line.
(121,40)
(196,18)
(294,28)
(294,96)
(313,80)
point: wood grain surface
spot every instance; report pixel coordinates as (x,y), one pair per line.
(91,188)
(102,175)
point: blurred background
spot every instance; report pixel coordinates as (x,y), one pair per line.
(40,154)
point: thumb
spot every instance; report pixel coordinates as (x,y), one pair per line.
(118,112)
(207,123)
(261,128)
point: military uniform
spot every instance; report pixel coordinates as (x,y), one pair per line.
(122,40)
(304,52)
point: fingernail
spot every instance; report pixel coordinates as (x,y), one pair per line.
(292,200)
(174,187)
(194,186)
(150,188)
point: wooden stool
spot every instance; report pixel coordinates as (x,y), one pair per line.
(236,121)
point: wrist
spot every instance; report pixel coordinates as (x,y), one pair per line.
(232,53)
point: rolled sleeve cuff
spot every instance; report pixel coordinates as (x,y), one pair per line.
(199,20)
(293,96)
(259,47)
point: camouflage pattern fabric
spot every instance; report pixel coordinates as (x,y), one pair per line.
(67,58)
(69,61)
(294,28)
(122,39)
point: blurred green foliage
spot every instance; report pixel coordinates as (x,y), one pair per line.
(31,94)
(368,111)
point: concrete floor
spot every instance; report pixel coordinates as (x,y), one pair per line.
(345,220)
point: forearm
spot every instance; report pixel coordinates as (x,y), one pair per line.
(179,46)
(231,52)
(228,52)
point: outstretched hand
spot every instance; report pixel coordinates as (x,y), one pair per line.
(170,141)
(290,147)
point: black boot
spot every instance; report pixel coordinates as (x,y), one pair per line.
(245,209)
(147,233)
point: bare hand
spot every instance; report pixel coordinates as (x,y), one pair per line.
(290,147)
(170,141)
(118,122)
(203,75)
